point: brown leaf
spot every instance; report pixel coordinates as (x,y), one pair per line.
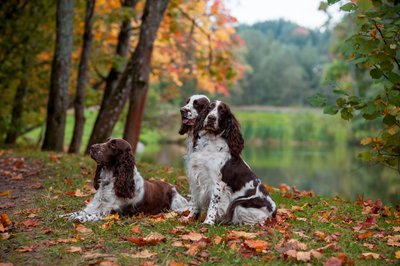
(193,236)
(144,254)
(217,240)
(193,250)
(394,240)
(257,245)
(396,228)
(5,236)
(67,240)
(24,249)
(6,264)
(303,256)
(319,234)
(82,229)
(107,225)
(74,249)
(364,235)
(150,240)
(240,234)
(370,246)
(300,208)
(175,263)
(29,223)
(177,243)
(370,255)
(136,229)
(333,261)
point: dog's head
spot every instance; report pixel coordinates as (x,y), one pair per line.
(189,112)
(115,155)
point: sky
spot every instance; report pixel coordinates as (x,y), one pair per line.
(303,12)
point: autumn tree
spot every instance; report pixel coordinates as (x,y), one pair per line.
(79,102)
(58,97)
(136,72)
(20,68)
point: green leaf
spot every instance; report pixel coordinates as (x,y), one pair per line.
(331,110)
(366,156)
(370,108)
(389,120)
(331,2)
(349,7)
(371,116)
(340,102)
(346,113)
(394,78)
(340,92)
(375,73)
(317,100)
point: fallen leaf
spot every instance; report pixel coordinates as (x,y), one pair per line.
(82,229)
(217,240)
(6,264)
(396,228)
(136,229)
(96,255)
(240,234)
(66,240)
(394,240)
(193,236)
(107,225)
(4,221)
(257,245)
(24,249)
(370,246)
(114,216)
(319,234)
(144,254)
(5,193)
(29,223)
(333,261)
(177,244)
(364,235)
(397,254)
(150,240)
(370,255)
(303,256)
(175,263)
(107,263)
(5,236)
(74,249)
(299,208)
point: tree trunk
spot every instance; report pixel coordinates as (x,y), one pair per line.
(58,97)
(16,114)
(79,103)
(133,122)
(136,74)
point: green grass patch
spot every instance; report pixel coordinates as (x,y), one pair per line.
(330,226)
(294,127)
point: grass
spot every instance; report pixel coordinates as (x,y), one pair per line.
(315,221)
(294,127)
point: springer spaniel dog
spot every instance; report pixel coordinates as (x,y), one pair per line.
(219,178)
(121,188)
(195,104)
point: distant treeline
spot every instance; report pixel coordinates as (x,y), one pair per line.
(284,63)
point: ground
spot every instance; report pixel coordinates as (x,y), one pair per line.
(36,187)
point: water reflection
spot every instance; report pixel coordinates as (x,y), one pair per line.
(325,170)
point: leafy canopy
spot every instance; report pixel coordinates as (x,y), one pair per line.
(373,48)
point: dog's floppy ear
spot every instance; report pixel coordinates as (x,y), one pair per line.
(96,181)
(233,136)
(124,185)
(184,129)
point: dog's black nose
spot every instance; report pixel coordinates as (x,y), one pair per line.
(211,118)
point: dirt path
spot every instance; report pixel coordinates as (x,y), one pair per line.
(20,180)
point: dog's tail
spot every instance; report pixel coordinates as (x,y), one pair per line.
(178,203)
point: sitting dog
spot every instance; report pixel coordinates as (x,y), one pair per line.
(220,180)
(121,188)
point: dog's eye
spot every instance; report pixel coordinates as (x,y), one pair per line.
(113,144)
(195,102)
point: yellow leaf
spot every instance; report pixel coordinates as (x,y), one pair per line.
(5,193)
(366,141)
(107,225)
(397,254)
(370,255)
(74,249)
(82,229)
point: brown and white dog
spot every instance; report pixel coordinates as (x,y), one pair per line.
(121,188)
(220,181)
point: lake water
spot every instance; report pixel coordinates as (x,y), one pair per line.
(328,171)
